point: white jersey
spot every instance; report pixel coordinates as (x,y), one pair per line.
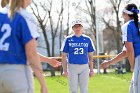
(32,24)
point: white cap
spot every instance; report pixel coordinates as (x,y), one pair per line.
(77,21)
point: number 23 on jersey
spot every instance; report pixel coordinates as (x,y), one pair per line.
(78,51)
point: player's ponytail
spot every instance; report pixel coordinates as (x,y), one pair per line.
(135,15)
(4,3)
(14,6)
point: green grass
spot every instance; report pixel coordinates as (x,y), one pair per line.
(103,83)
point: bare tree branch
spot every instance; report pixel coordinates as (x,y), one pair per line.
(36,6)
(116,29)
(87,7)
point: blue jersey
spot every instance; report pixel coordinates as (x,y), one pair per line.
(130,34)
(14,34)
(78,48)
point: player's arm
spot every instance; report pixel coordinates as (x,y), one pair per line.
(64,64)
(34,61)
(114,60)
(130,54)
(91,49)
(65,50)
(90,55)
(129,45)
(53,62)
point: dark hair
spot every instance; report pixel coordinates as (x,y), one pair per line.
(133,8)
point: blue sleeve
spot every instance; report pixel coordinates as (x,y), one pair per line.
(25,32)
(91,47)
(65,46)
(129,33)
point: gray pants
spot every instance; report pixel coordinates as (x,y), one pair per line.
(135,82)
(16,79)
(78,76)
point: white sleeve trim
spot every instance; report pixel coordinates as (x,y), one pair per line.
(32,24)
(124,48)
(92,44)
(63,45)
(124,32)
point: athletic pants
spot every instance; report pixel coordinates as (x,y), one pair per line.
(16,79)
(78,76)
(135,82)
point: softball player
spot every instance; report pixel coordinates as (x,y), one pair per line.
(32,24)
(17,45)
(78,48)
(131,39)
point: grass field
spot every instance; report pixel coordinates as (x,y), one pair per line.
(103,83)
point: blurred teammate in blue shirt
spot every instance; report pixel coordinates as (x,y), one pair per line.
(18,49)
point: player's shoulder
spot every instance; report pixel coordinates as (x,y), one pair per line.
(3,13)
(85,36)
(4,10)
(131,22)
(19,18)
(27,15)
(24,13)
(125,25)
(128,23)
(70,36)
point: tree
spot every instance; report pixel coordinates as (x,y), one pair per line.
(45,20)
(62,21)
(109,40)
(42,24)
(92,13)
(113,15)
(113,12)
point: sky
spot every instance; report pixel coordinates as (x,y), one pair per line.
(74,12)
(100,4)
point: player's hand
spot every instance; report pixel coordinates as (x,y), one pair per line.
(44,90)
(91,73)
(53,62)
(132,69)
(65,73)
(105,64)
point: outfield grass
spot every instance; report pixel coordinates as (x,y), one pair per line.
(103,83)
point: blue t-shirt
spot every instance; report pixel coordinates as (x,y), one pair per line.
(78,48)
(130,34)
(14,35)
